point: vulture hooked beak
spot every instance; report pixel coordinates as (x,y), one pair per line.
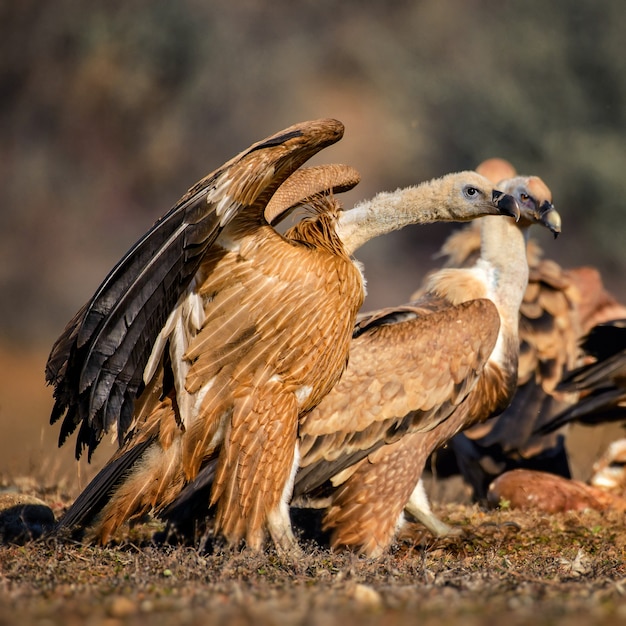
(506,203)
(549,217)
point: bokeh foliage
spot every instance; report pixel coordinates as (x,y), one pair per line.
(110,110)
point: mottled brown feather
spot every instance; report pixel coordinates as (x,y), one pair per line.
(595,304)
(153,482)
(98,363)
(264,327)
(417,370)
(547,493)
(368,505)
(245,487)
(258,359)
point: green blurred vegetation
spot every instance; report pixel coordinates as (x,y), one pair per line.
(110,110)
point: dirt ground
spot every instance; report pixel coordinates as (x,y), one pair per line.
(523,567)
(520,567)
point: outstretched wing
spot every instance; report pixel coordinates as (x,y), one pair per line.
(97,364)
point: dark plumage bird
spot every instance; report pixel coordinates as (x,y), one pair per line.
(601,383)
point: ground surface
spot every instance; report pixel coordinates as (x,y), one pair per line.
(511,568)
(520,567)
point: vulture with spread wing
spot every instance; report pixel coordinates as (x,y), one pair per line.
(215,334)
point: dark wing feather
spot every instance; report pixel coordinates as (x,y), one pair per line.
(595,375)
(97,364)
(601,384)
(367,322)
(92,499)
(605,339)
(192,502)
(600,407)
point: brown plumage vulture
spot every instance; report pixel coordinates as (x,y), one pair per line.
(533,490)
(215,333)
(558,307)
(550,493)
(417,374)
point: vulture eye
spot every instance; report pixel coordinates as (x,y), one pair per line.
(524,197)
(470,192)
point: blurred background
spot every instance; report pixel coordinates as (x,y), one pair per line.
(110,110)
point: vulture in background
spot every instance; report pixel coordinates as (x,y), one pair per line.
(533,490)
(600,383)
(215,334)
(418,374)
(549,493)
(558,307)
(602,399)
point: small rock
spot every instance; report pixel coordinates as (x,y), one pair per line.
(121,606)
(23,518)
(367,596)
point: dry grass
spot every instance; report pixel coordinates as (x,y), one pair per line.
(525,568)
(511,566)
